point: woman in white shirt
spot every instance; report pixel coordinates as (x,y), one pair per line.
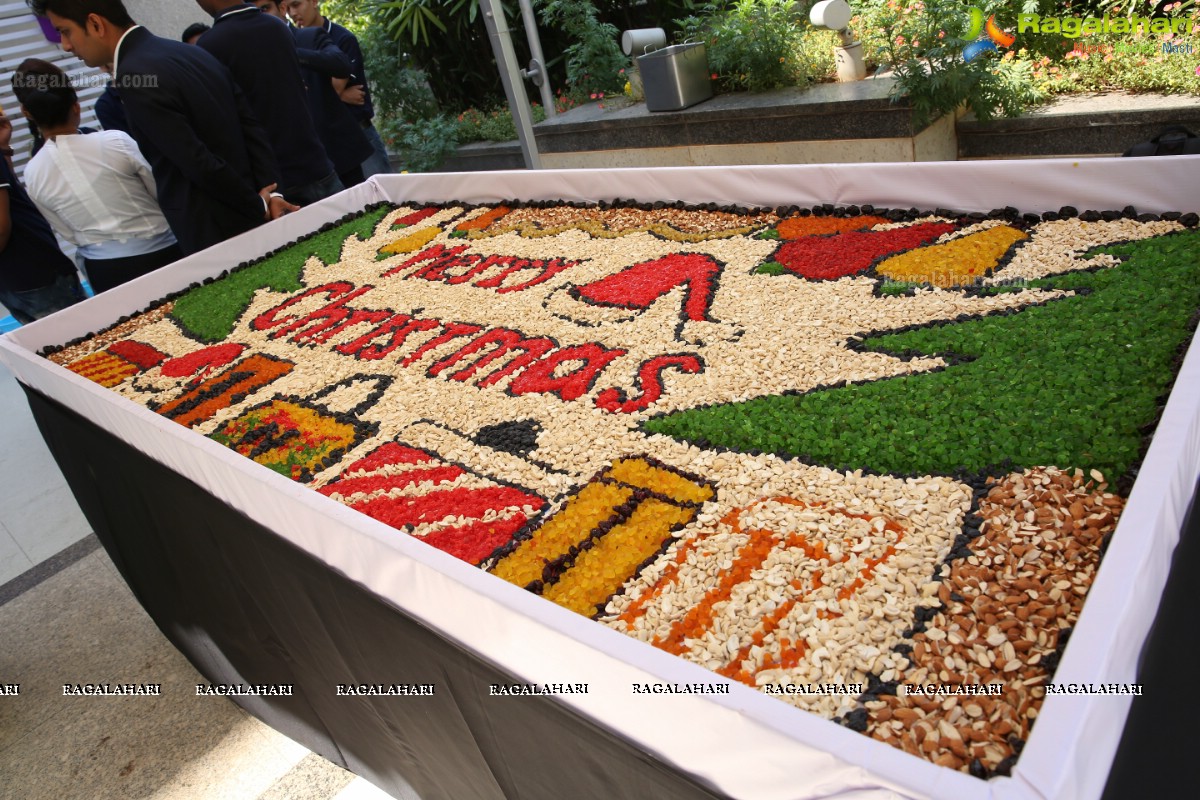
(95,190)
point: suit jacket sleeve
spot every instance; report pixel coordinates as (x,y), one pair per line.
(258,144)
(324,58)
(173,136)
(354,52)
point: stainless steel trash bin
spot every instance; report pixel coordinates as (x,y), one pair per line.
(675,77)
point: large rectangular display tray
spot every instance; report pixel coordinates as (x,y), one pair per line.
(742,744)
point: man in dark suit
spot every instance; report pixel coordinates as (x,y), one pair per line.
(357,93)
(261,54)
(110,112)
(212,162)
(340,132)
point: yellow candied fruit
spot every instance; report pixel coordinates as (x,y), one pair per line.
(603,569)
(103,368)
(637,472)
(412,242)
(583,512)
(957,262)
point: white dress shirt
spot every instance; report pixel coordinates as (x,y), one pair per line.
(97,192)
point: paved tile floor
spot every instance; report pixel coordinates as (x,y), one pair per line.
(63,607)
(38,516)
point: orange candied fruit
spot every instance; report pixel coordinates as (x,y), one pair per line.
(483,220)
(798,227)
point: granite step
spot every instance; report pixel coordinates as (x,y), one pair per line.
(1101,124)
(821,117)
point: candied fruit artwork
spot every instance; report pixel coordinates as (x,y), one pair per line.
(121,360)
(202,400)
(412,242)
(850,252)
(989,385)
(286,437)
(445,505)
(825,454)
(587,552)
(954,263)
(801,567)
(672,224)
(797,227)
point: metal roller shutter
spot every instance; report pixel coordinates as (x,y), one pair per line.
(21,37)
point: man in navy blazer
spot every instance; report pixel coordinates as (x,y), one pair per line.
(320,60)
(307,14)
(212,162)
(261,55)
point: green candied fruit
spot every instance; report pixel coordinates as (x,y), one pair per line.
(1070,382)
(770,268)
(211,311)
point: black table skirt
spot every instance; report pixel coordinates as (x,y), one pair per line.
(246,606)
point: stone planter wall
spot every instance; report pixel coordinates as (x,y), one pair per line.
(1105,124)
(850,122)
(831,123)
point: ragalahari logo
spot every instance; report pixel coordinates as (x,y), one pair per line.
(985,36)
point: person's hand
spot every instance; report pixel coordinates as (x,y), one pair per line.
(277,207)
(274,205)
(354,95)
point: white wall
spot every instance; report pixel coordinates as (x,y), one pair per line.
(167,18)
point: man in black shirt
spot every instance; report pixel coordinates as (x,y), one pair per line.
(192,33)
(110,112)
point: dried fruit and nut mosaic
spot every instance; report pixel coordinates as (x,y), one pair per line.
(799,447)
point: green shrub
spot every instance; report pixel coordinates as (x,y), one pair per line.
(754,45)
(816,54)
(448,40)
(594,59)
(496,125)
(1135,63)
(423,144)
(922,44)
(398,89)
